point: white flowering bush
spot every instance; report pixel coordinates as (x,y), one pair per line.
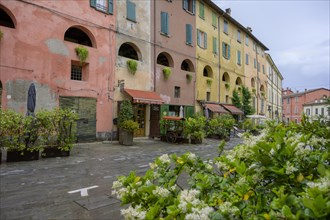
(281,174)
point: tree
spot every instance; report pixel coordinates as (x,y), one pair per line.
(236,100)
(246,101)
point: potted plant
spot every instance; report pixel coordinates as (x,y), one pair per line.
(132,66)
(126,124)
(227,86)
(209,82)
(195,129)
(167,72)
(189,77)
(82,53)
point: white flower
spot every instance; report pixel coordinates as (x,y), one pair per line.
(290,168)
(116,184)
(222,166)
(324,183)
(227,207)
(208,166)
(272,152)
(162,192)
(165,159)
(120,193)
(191,156)
(133,213)
(198,213)
(153,165)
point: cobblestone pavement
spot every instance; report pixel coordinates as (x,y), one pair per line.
(49,188)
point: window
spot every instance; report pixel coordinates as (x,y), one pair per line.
(201,39)
(296,99)
(287,110)
(316,111)
(262,105)
(258,66)
(164,23)
(322,111)
(263,69)
(246,40)
(214,20)
(201,9)
(239,57)
(79,72)
(308,111)
(208,96)
(225,50)
(189,6)
(254,46)
(165,59)
(254,63)
(296,110)
(176,92)
(288,101)
(103,5)
(215,45)
(239,36)
(77,36)
(128,50)
(207,71)
(247,59)
(189,34)
(131,15)
(225,27)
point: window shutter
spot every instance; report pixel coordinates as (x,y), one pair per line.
(214,19)
(188,33)
(205,40)
(247,59)
(189,111)
(164,22)
(198,38)
(215,45)
(239,57)
(201,9)
(228,52)
(110,6)
(93,3)
(223,49)
(193,6)
(185,4)
(131,11)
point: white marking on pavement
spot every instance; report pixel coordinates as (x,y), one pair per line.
(141,166)
(121,158)
(83,191)
(11,172)
(107,177)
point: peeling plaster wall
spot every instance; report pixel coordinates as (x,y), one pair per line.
(37,52)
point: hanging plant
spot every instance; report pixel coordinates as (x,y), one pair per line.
(1,34)
(209,82)
(132,66)
(167,72)
(254,91)
(227,85)
(189,77)
(82,53)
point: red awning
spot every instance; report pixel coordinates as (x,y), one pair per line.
(145,97)
(233,109)
(216,108)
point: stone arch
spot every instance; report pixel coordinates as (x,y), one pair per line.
(80,35)
(207,71)
(238,81)
(129,50)
(165,59)
(7,19)
(253,83)
(225,77)
(187,65)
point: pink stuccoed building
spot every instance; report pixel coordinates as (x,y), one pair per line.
(38,46)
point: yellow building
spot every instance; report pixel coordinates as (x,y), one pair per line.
(207,54)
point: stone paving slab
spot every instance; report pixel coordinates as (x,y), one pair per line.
(40,189)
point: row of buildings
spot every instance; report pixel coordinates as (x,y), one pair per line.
(191,55)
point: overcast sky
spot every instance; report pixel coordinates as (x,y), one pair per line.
(296,33)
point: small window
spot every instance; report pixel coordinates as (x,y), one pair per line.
(316,111)
(215,45)
(79,72)
(208,96)
(201,39)
(258,66)
(247,59)
(189,34)
(207,71)
(176,92)
(131,13)
(189,6)
(164,23)
(201,9)
(225,50)
(246,40)
(296,99)
(288,101)
(239,36)
(308,111)
(214,19)
(103,5)
(254,46)
(239,57)
(322,111)
(225,27)
(127,50)
(77,36)
(254,63)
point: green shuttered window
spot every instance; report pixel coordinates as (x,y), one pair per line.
(239,57)
(131,15)
(189,34)
(164,22)
(225,50)
(102,5)
(201,10)
(214,20)
(215,47)
(189,6)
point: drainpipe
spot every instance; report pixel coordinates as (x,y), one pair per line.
(219,58)
(258,80)
(154,44)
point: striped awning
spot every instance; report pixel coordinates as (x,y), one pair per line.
(145,97)
(216,108)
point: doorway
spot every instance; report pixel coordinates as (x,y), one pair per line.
(140,118)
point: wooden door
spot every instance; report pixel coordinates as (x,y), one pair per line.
(140,118)
(154,121)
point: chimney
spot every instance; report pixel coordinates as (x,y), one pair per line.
(228,11)
(249,29)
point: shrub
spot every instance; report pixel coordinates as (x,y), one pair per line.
(132,66)
(195,128)
(82,53)
(125,113)
(281,174)
(221,125)
(189,77)
(129,125)
(167,72)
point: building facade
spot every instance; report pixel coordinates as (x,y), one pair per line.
(318,109)
(274,101)
(44,53)
(293,102)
